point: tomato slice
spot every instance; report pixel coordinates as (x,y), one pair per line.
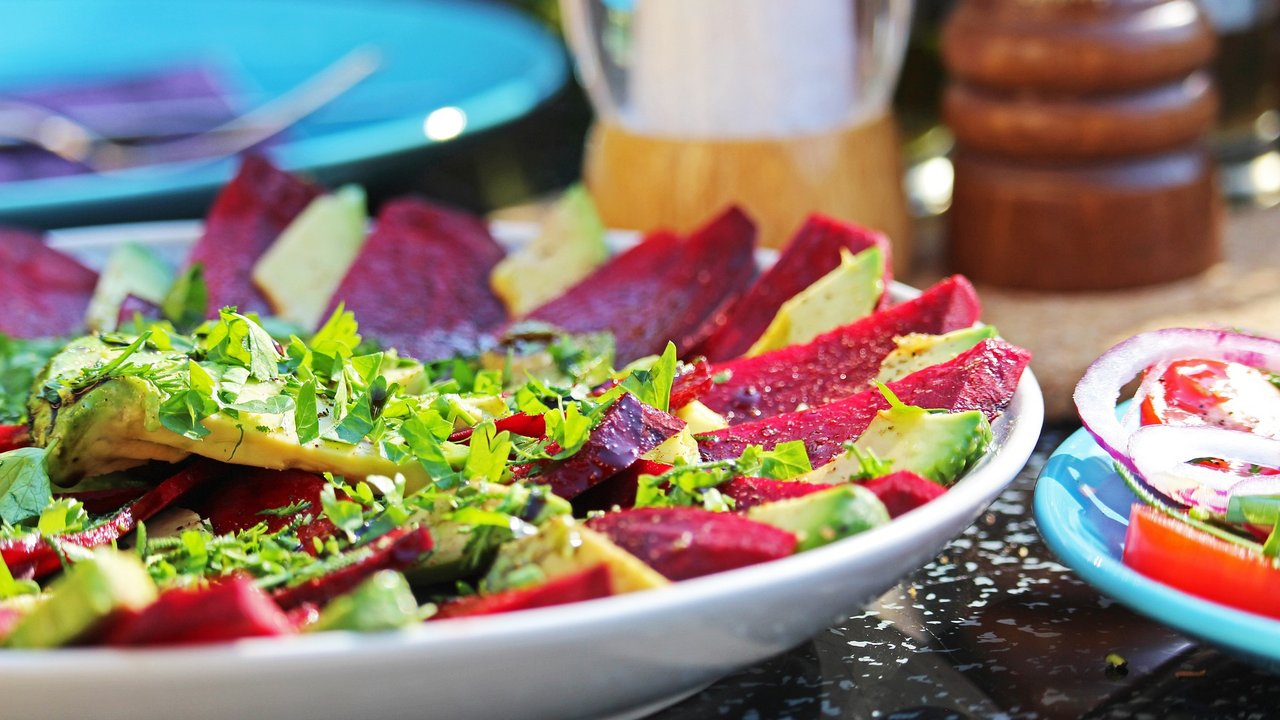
(1176,554)
(1214,392)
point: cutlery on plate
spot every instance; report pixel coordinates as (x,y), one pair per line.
(73,141)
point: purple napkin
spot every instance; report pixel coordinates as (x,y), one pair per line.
(151,107)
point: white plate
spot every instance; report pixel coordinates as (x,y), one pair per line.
(616,655)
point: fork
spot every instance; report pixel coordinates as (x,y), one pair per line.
(73,141)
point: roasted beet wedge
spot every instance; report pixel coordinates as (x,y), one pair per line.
(618,491)
(628,430)
(691,384)
(517,424)
(34,556)
(228,609)
(13,437)
(903,491)
(586,585)
(421,281)
(247,216)
(838,363)
(44,292)
(981,378)
(747,492)
(686,542)
(665,288)
(396,550)
(248,496)
(812,252)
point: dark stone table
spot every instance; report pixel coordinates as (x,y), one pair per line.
(993,628)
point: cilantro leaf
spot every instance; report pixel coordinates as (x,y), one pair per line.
(306,421)
(346,515)
(274,405)
(239,341)
(568,428)
(358,422)
(338,337)
(183,411)
(652,385)
(489,453)
(687,485)
(24,485)
(785,461)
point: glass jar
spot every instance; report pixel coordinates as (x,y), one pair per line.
(781,106)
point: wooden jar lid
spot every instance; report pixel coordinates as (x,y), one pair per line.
(1041,128)
(1075,46)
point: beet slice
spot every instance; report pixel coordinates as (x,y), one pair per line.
(228,609)
(421,281)
(748,492)
(13,437)
(534,426)
(244,499)
(838,363)
(397,550)
(691,384)
(628,430)
(247,216)
(664,289)
(103,502)
(44,292)
(981,378)
(133,306)
(903,491)
(617,491)
(687,542)
(589,584)
(811,253)
(34,556)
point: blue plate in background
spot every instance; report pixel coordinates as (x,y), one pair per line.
(486,61)
(1082,509)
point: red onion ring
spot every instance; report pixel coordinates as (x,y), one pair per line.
(1097,392)
(1160,454)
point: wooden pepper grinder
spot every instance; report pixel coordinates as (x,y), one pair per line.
(1081,161)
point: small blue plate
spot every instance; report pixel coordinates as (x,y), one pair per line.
(485,60)
(1082,509)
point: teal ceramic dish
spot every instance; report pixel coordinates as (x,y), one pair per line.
(1082,510)
(483,62)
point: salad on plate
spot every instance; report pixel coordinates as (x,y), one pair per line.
(310,425)
(1199,445)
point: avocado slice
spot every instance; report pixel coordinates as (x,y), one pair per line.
(936,445)
(825,516)
(837,298)
(701,419)
(570,245)
(917,351)
(86,594)
(130,270)
(449,559)
(681,446)
(563,546)
(301,270)
(115,425)
(382,602)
